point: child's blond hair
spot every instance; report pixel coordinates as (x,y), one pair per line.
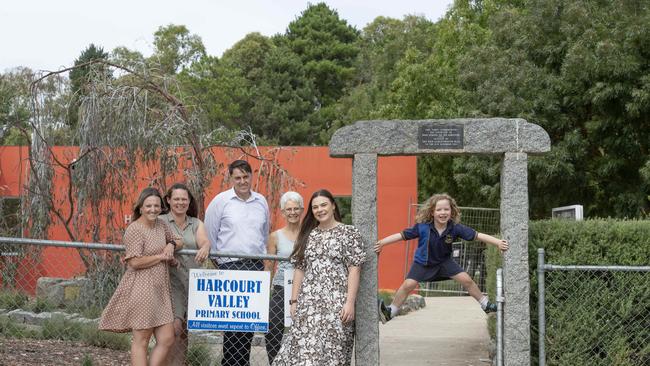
(425,213)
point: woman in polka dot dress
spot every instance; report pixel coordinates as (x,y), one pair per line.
(142,303)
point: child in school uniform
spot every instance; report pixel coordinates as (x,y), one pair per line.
(437,227)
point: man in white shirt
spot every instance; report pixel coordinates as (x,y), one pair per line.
(237,221)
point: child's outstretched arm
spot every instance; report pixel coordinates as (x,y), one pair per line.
(499,243)
(387,240)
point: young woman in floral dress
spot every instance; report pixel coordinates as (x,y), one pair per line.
(327,261)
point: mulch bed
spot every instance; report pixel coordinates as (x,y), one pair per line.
(32,352)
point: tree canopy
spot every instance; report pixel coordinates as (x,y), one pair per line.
(579,69)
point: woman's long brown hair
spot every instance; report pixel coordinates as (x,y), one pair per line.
(310,222)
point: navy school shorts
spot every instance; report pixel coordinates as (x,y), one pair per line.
(437,272)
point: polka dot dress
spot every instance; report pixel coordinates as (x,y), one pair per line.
(142,299)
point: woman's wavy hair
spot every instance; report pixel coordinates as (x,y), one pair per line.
(310,222)
(192,208)
(146,193)
(425,213)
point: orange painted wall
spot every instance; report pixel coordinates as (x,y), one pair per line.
(397,188)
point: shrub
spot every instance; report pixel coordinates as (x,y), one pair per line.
(95,337)
(11,300)
(60,328)
(11,329)
(42,305)
(597,314)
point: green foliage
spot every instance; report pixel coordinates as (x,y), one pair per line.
(249,55)
(199,355)
(14,106)
(82,75)
(68,330)
(591,242)
(493,261)
(326,44)
(11,329)
(176,49)
(218,90)
(386,295)
(87,361)
(283,99)
(98,338)
(577,68)
(60,328)
(11,300)
(344,204)
(603,314)
(41,305)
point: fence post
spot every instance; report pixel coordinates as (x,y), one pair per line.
(499,317)
(540,306)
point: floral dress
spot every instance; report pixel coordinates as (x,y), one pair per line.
(318,336)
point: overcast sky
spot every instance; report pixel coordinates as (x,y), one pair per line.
(50,34)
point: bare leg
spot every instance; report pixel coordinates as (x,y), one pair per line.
(139,346)
(468,284)
(179,348)
(164,339)
(407,287)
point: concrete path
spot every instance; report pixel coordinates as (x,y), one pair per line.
(449,331)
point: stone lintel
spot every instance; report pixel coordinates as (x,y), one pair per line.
(404,137)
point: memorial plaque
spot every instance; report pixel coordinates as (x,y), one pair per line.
(443,137)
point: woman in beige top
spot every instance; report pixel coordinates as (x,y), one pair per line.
(183,221)
(141,303)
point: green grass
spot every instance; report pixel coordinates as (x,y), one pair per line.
(199,355)
(87,361)
(386,296)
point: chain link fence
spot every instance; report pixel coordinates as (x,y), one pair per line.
(470,255)
(55,318)
(593,315)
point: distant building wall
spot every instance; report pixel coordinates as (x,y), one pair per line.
(397,189)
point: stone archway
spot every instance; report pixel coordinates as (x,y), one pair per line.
(513,139)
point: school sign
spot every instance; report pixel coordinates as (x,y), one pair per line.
(234,301)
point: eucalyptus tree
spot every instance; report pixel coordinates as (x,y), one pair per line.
(14,106)
(79,79)
(175,48)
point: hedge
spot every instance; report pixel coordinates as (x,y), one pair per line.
(592,318)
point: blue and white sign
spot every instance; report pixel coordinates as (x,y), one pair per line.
(234,301)
(288,287)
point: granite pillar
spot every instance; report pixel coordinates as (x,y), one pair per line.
(364,214)
(514,228)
